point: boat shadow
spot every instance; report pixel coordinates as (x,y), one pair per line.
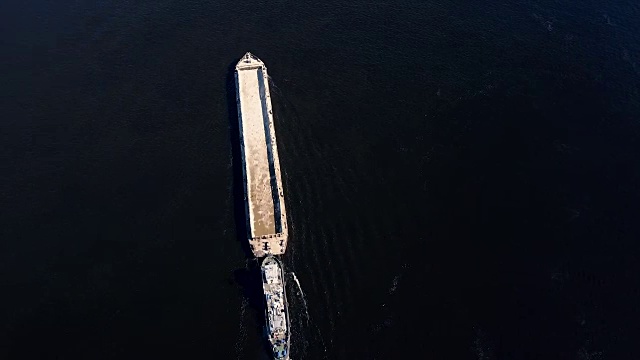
(250,284)
(251,288)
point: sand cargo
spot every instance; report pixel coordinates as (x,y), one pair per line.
(264,199)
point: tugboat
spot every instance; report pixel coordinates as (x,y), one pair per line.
(276,313)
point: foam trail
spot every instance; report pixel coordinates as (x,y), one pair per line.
(304,299)
(273,85)
(306,310)
(285,103)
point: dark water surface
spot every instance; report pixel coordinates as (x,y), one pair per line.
(461,177)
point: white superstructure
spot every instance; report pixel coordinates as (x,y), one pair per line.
(276,307)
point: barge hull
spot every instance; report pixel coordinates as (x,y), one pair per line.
(264,199)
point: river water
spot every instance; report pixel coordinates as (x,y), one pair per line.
(461,178)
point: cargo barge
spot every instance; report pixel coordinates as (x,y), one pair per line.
(264,199)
